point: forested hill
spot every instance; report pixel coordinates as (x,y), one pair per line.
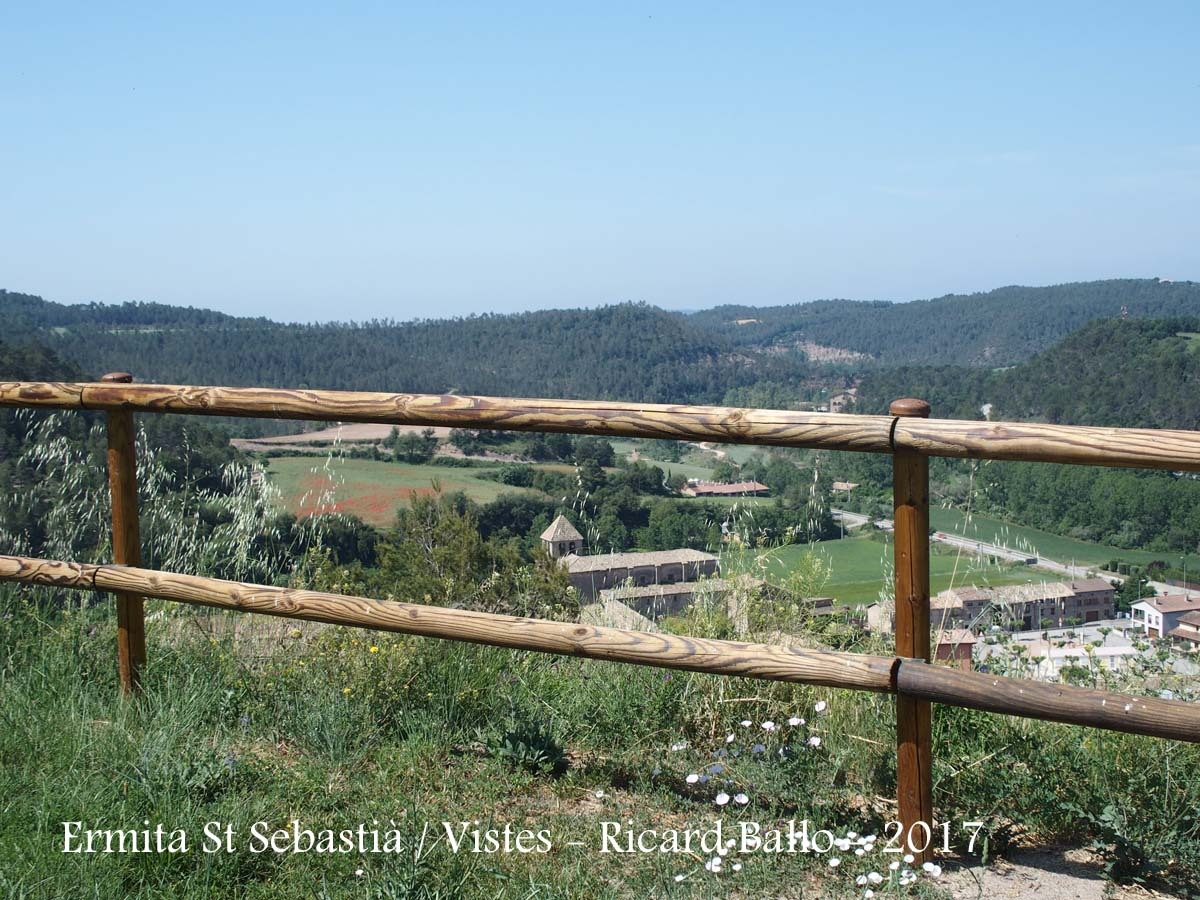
(28,314)
(1134,373)
(632,352)
(997,328)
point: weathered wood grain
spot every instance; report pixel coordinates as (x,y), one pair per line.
(35,394)
(571,639)
(695,423)
(51,573)
(126,537)
(1077,444)
(1084,445)
(1061,703)
(1053,702)
(914,740)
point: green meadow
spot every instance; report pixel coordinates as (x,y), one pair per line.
(859,566)
(1042,543)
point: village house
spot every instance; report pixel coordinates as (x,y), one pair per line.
(696,488)
(1188,629)
(1159,616)
(954,646)
(1025,607)
(1047,658)
(1021,607)
(841,402)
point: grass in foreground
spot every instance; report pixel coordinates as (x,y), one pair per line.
(336,727)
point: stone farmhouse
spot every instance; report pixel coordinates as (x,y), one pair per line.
(1023,607)
(696,488)
(592,574)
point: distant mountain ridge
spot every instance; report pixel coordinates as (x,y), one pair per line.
(627,351)
(993,329)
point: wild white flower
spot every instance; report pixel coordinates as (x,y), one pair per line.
(679,878)
(729,738)
(358,872)
(874,878)
(894,865)
(868,893)
(820,706)
(860,880)
(721,799)
(859,851)
(768,725)
(679,745)
(834,862)
(814,741)
(692,779)
(599,795)
(745,723)
(908,858)
(737,867)
(795,721)
(741,799)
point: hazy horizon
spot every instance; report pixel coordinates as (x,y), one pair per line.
(566,308)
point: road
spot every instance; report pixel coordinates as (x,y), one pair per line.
(856,520)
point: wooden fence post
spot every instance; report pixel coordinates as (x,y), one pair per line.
(914,752)
(126,537)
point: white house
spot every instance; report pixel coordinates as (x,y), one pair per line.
(1158,616)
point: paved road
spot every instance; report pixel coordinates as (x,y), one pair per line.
(855,520)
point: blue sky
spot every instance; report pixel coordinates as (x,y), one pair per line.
(351,161)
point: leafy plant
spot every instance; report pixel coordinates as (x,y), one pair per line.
(530,745)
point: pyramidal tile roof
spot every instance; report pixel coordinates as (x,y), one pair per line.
(561,529)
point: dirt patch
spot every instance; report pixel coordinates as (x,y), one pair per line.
(376,505)
(823,353)
(1050,873)
(350,433)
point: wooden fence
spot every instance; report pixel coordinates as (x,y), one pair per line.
(908,435)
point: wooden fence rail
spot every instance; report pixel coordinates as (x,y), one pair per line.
(907,434)
(1129,447)
(1174,719)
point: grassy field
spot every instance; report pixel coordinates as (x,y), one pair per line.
(860,565)
(696,464)
(1051,546)
(370,489)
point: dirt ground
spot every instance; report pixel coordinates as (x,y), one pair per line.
(1043,874)
(350,433)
